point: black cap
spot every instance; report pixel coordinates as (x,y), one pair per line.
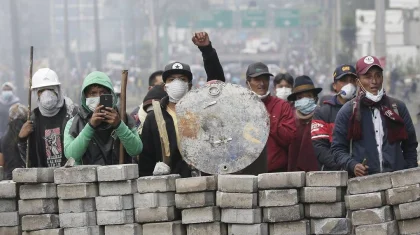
(177,68)
(344,70)
(257,69)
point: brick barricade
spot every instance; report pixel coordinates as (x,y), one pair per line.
(104,200)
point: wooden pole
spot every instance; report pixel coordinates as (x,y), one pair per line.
(31,62)
(123,103)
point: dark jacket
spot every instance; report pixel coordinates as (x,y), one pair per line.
(37,155)
(152,152)
(322,131)
(396,156)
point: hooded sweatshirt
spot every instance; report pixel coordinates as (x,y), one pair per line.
(97,146)
(5,104)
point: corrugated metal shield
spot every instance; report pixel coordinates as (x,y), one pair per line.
(222,128)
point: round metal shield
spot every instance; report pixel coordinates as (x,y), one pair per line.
(222,128)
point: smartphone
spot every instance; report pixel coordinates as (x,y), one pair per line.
(106,100)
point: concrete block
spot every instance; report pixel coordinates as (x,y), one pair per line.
(331,226)
(8,205)
(40,222)
(387,228)
(290,228)
(369,184)
(159,214)
(407,210)
(153,200)
(115,217)
(8,189)
(77,191)
(15,230)
(75,220)
(283,213)
(125,229)
(38,191)
(282,197)
(38,206)
(326,179)
(241,216)
(200,215)
(9,219)
(325,210)
(372,216)
(196,184)
(237,183)
(254,229)
(409,226)
(405,177)
(193,200)
(166,228)
(55,231)
(156,184)
(365,201)
(33,175)
(114,203)
(237,200)
(215,228)
(118,188)
(281,180)
(76,205)
(118,172)
(90,230)
(322,194)
(77,174)
(403,194)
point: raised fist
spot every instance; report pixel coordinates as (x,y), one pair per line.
(201,39)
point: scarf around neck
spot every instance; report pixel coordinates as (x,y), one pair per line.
(394,123)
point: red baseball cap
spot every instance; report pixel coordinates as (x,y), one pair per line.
(365,63)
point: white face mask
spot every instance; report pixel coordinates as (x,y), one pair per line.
(372,97)
(259,96)
(283,92)
(92,103)
(48,99)
(348,91)
(176,90)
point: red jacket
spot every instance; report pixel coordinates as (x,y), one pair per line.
(282,131)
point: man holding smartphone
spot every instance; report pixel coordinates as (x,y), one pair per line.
(93,136)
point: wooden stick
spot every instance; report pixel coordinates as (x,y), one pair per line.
(123,103)
(31,62)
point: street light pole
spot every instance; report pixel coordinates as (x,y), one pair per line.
(380,36)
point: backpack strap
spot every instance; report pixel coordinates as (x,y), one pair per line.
(161,124)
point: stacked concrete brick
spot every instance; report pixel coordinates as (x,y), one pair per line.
(281,207)
(324,202)
(38,204)
(196,198)
(115,205)
(77,189)
(404,197)
(237,196)
(155,206)
(9,216)
(367,204)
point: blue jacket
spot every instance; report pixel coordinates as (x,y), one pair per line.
(396,156)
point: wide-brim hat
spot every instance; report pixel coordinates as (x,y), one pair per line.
(177,68)
(303,84)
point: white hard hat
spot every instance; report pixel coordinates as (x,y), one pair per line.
(43,78)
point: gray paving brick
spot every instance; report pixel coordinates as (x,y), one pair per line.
(241,216)
(215,228)
(325,210)
(365,201)
(282,197)
(33,175)
(372,216)
(237,183)
(77,174)
(159,214)
(369,184)
(77,191)
(75,220)
(196,184)
(114,203)
(301,227)
(283,213)
(403,194)
(165,228)
(9,219)
(237,200)
(387,228)
(76,205)
(118,172)
(201,215)
(193,200)
(156,184)
(281,180)
(326,179)
(153,200)
(40,222)
(38,206)
(118,188)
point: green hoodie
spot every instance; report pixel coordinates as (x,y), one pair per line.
(76,147)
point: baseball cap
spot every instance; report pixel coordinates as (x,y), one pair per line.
(257,69)
(367,62)
(177,68)
(344,70)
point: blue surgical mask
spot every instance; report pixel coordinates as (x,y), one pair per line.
(305,105)
(7,94)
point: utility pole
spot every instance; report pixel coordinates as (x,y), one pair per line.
(17,63)
(333,33)
(338,25)
(98,63)
(380,36)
